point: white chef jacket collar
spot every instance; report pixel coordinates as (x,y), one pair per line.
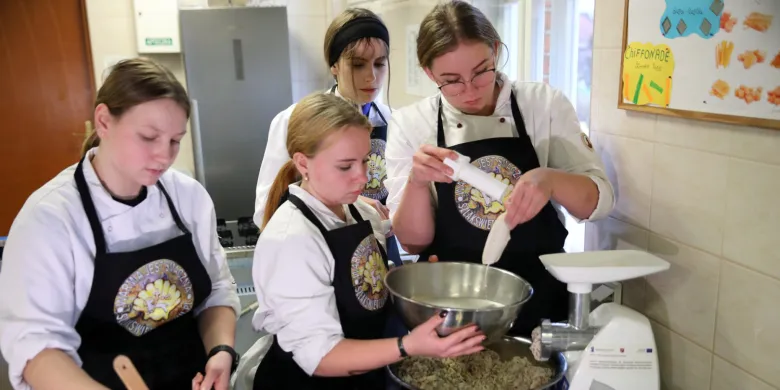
(503,96)
(318,208)
(338,93)
(105,204)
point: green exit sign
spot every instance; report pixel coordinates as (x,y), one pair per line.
(159,42)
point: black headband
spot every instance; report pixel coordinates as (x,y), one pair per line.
(355,29)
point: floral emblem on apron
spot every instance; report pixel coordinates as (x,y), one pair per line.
(377,171)
(476,207)
(368,275)
(156,293)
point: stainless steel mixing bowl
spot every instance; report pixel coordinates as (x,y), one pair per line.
(507,348)
(419,291)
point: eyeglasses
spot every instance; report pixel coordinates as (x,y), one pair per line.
(479,80)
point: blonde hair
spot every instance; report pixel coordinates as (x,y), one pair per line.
(132,82)
(313,119)
(337,24)
(449,24)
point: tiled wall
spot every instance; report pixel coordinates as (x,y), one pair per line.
(705,197)
(112,35)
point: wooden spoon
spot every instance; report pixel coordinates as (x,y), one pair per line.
(128,374)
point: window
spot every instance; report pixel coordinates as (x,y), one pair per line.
(561,34)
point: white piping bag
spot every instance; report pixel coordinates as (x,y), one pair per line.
(499,235)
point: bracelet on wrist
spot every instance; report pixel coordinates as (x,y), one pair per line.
(401,348)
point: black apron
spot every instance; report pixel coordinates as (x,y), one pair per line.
(464,217)
(377,173)
(140,305)
(362,310)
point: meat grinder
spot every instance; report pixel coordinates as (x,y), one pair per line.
(611,347)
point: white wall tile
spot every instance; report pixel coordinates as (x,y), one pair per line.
(684,298)
(689,196)
(626,163)
(109,9)
(726,376)
(307,7)
(698,135)
(752,227)
(608,32)
(684,365)
(755,144)
(307,34)
(747,322)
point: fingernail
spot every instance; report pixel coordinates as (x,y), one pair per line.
(443,314)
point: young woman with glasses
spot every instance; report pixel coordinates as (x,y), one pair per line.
(525,134)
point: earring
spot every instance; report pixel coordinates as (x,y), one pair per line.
(306,176)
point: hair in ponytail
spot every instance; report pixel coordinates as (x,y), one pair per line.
(286,176)
(313,119)
(92,141)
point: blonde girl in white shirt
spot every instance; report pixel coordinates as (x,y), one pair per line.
(319,265)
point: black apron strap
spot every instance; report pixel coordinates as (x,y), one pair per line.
(174,213)
(355,214)
(333,88)
(517,117)
(375,107)
(307,212)
(89,208)
(440,142)
(313,218)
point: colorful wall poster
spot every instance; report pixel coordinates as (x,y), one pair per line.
(685,17)
(705,59)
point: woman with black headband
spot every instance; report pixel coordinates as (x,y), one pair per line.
(356,51)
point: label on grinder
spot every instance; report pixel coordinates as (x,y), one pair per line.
(621,358)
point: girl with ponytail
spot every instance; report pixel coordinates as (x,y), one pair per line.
(328,328)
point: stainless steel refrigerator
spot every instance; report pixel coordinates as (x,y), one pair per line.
(237,64)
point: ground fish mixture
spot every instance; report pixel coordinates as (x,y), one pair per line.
(480,371)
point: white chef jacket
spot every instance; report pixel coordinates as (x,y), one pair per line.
(550,121)
(293,273)
(49,258)
(276,153)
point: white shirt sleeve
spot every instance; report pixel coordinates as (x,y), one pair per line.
(223,286)
(569,152)
(273,159)
(37,284)
(293,273)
